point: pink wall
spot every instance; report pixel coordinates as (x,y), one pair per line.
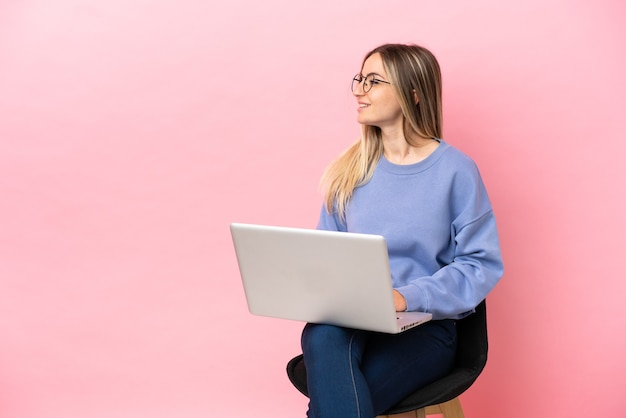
(133,132)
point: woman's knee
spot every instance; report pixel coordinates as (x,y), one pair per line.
(321,338)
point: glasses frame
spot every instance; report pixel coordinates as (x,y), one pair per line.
(368,82)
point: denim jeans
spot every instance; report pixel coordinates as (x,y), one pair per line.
(360,374)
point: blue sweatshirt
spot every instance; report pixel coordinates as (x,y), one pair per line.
(440,229)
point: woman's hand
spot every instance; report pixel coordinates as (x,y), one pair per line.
(399,301)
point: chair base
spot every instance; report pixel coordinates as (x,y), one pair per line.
(450,409)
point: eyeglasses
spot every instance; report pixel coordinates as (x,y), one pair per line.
(368,82)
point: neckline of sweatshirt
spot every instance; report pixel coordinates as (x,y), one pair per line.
(414,168)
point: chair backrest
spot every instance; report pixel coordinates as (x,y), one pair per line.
(472,339)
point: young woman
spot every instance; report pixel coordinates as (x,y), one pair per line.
(402,181)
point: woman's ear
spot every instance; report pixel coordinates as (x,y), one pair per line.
(415,98)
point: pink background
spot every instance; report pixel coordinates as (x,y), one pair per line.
(133,132)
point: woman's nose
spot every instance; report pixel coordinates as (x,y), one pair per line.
(358,89)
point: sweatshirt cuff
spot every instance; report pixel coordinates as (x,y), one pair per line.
(416,298)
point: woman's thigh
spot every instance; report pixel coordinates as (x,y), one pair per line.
(395,365)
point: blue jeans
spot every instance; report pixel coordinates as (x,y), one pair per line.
(360,374)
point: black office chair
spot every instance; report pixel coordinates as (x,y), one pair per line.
(441,396)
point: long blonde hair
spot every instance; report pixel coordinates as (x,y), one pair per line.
(412,70)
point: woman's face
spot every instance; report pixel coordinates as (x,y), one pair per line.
(379,106)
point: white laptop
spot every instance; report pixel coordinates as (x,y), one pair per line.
(327,277)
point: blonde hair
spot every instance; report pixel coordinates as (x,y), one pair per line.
(412,70)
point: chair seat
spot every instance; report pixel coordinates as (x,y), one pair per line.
(471,358)
(443,390)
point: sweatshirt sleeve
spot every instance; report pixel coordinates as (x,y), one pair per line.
(476,262)
(330,221)
(455,289)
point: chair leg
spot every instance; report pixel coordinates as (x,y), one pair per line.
(410,414)
(452,409)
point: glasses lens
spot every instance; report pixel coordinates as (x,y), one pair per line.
(356,80)
(367,83)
